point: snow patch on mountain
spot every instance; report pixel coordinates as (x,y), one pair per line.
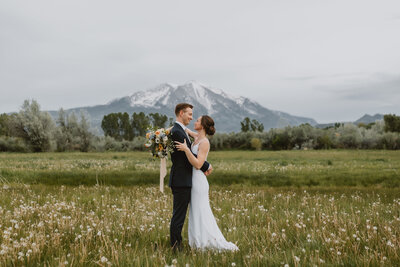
(150,97)
(192,92)
(201,95)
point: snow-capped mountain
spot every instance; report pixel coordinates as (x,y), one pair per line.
(226,110)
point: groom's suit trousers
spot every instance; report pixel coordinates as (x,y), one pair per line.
(181,201)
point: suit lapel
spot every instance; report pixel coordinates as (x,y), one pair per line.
(189,143)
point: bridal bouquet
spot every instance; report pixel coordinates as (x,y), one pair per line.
(160,143)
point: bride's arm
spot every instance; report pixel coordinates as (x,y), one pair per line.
(201,155)
(191,133)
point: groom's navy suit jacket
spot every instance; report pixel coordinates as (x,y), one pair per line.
(181,170)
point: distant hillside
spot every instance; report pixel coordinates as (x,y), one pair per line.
(366,119)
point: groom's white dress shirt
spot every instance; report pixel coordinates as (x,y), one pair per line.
(183,127)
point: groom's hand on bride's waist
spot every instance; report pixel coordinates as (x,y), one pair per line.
(209,171)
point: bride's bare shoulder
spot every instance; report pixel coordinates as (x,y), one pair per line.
(204,141)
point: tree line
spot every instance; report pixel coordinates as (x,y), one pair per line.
(377,135)
(121,126)
(33,130)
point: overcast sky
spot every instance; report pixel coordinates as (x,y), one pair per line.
(328,60)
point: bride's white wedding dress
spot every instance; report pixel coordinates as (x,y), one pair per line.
(203,229)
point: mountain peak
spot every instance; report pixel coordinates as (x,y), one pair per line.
(194,92)
(193,83)
(200,87)
(227,110)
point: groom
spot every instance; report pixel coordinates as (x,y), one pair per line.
(180,178)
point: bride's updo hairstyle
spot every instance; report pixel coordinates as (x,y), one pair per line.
(208,124)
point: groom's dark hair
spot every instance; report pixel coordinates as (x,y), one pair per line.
(182,106)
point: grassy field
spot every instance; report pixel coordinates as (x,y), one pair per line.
(281,168)
(289,208)
(129,226)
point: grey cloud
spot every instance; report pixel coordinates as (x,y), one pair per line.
(396,17)
(378,87)
(327,76)
(301,78)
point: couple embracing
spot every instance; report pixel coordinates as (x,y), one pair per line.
(189,183)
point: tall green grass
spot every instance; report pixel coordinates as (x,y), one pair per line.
(280,168)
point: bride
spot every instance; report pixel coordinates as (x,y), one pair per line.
(203,229)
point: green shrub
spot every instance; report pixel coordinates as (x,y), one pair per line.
(13,144)
(256,144)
